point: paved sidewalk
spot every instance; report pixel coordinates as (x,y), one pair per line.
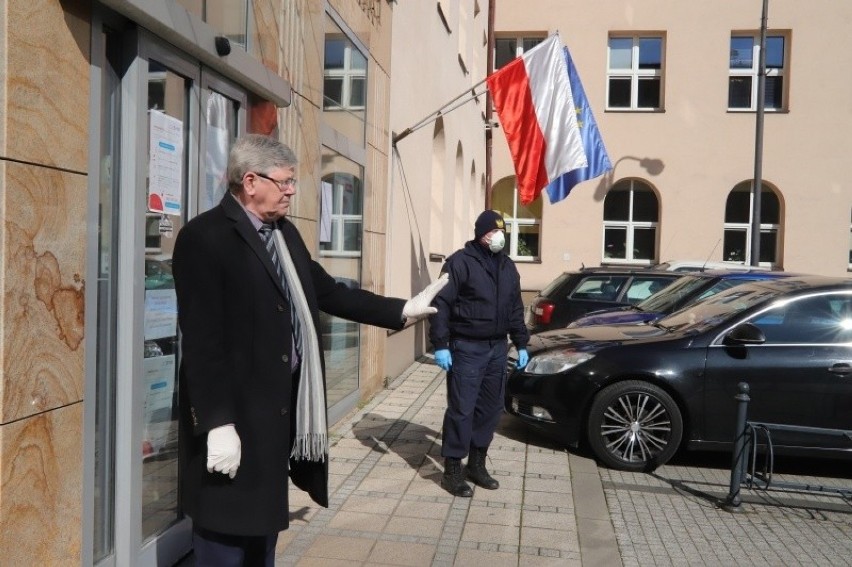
(387,506)
(552,508)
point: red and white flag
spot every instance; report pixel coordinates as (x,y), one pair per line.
(532,97)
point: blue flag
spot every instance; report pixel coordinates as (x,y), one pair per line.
(592,143)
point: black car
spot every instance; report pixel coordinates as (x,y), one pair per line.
(573,294)
(685,291)
(635,393)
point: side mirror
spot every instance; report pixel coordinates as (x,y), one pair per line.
(745,334)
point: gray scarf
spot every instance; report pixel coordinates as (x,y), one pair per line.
(311,426)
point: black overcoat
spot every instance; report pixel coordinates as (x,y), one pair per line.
(236,344)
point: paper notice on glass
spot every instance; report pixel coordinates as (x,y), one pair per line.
(160,313)
(325,213)
(165,163)
(159,373)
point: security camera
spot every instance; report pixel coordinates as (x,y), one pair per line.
(223,45)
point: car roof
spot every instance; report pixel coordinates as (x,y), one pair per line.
(704,265)
(619,270)
(803,282)
(738,275)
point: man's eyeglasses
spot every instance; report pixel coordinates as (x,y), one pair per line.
(281,183)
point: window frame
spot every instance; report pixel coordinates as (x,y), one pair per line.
(338,220)
(765,227)
(346,75)
(514,223)
(635,73)
(630,226)
(754,71)
(520,48)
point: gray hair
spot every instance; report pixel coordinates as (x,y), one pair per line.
(258,153)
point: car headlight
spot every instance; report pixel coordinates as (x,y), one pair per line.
(556,362)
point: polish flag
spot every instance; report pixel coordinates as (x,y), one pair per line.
(532,97)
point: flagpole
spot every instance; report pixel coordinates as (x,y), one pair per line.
(432,116)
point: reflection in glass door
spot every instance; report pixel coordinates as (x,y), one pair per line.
(168,129)
(193,118)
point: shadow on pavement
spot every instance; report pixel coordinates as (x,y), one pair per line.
(813,485)
(416,444)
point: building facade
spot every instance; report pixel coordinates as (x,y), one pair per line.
(437,162)
(673,87)
(115,121)
(117,116)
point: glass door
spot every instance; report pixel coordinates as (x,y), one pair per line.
(165,123)
(165,126)
(192,118)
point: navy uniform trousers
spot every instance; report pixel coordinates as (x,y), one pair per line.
(475,389)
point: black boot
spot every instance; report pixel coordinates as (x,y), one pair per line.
(453,479)
(476,470)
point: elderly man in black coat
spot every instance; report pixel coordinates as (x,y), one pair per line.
(252,385)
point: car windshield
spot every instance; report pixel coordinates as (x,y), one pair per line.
(714,310)
(664,299)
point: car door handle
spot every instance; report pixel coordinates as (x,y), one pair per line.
(841,369)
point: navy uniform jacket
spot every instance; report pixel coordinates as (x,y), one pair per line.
(481,301)
(236,343)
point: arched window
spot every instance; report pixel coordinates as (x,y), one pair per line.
(738,219)
(631,216)
(523,222)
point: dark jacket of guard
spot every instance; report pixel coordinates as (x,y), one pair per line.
(482,300)
(236,345)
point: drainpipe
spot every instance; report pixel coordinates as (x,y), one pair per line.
(757,184)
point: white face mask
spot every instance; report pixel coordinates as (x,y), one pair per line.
(497,241)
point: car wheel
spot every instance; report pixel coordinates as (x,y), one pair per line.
(634,426)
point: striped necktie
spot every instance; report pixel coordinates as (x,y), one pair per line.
(266,235)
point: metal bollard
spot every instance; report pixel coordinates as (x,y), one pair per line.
(738,461)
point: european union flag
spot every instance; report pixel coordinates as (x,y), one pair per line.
(596,154)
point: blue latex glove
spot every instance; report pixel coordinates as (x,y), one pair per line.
(523,358)
(444,358)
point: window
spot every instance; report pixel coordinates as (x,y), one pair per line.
(631,215)
(635,73)
(819,319)
(341,212)
(599,287)
(341,190)
(523,222)
(738,218)
(508,48)
(744,68)
(345,75)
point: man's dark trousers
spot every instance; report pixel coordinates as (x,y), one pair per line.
(212,549)
(475,388)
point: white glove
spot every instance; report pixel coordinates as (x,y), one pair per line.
(223,450)
(418,306)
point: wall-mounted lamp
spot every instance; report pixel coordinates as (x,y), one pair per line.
(223,45)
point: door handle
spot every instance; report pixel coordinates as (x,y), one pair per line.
(842,369)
